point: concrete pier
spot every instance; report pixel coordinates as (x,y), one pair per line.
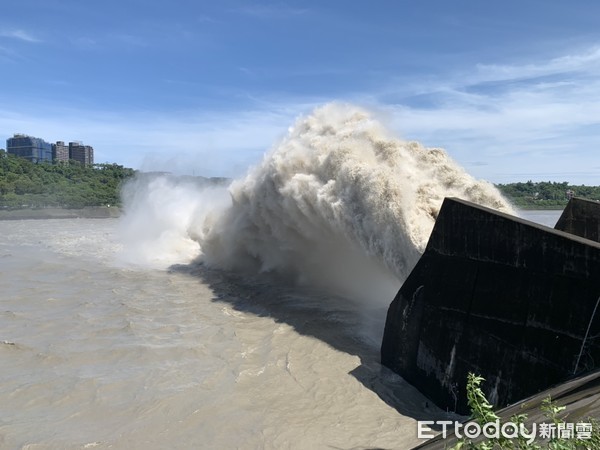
(499,296)
(582,218)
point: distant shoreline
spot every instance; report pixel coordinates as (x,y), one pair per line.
(550,208)
(99,212)
(103,212)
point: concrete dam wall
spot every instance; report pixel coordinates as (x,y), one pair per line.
(581,217)
(498,296)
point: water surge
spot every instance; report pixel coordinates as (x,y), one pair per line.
(339,202)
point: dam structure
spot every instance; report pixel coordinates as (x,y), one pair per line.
(498,296)
(581,217)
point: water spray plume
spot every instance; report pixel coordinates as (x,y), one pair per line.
(339,183)
(339,201)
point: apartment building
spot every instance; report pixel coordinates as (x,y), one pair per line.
(29,147)
(60,152)
(82,153)
(38,150)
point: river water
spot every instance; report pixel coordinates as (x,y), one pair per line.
(98,354)
(93,354)
(247,316)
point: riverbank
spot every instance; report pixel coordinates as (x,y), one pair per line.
(100,212)
(540,208)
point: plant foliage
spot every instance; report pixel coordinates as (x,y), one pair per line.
(24,184)
(546,194)
(482,413)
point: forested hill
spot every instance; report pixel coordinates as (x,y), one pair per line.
(546,194)
(27,185)
(67,185)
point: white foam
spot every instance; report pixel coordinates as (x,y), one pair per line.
(165,219)
(338,202)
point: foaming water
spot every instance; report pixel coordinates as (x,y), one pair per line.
(264,330)
(338,188)
(338,203)
(95,355)
(166,218)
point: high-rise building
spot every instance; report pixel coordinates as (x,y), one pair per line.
(29,147)
(82,153)
(36,150)
(60,152)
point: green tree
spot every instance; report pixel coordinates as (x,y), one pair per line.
(71,185)
(546,194)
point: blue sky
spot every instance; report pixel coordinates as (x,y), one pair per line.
(510,89)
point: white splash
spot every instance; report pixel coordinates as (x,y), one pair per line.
(166,217)
(338,202)
(339,196)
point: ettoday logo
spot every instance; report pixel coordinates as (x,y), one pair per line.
(508,430)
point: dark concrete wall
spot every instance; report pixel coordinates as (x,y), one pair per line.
(582,218)
(497,296)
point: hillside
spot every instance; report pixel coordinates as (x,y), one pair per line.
(27,185)
(546,194)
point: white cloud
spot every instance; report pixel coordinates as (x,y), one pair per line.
(202,143)
(538,129)
(522,123)
(20,35)
(586,61)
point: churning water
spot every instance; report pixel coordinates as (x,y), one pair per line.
(240,317)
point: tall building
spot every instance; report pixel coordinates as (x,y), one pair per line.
(29,147)
(82,153)
(60,152)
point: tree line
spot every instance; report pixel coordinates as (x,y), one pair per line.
(24,184)
(546,194)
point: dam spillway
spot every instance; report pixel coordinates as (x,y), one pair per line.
(582,218)
(499,296)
